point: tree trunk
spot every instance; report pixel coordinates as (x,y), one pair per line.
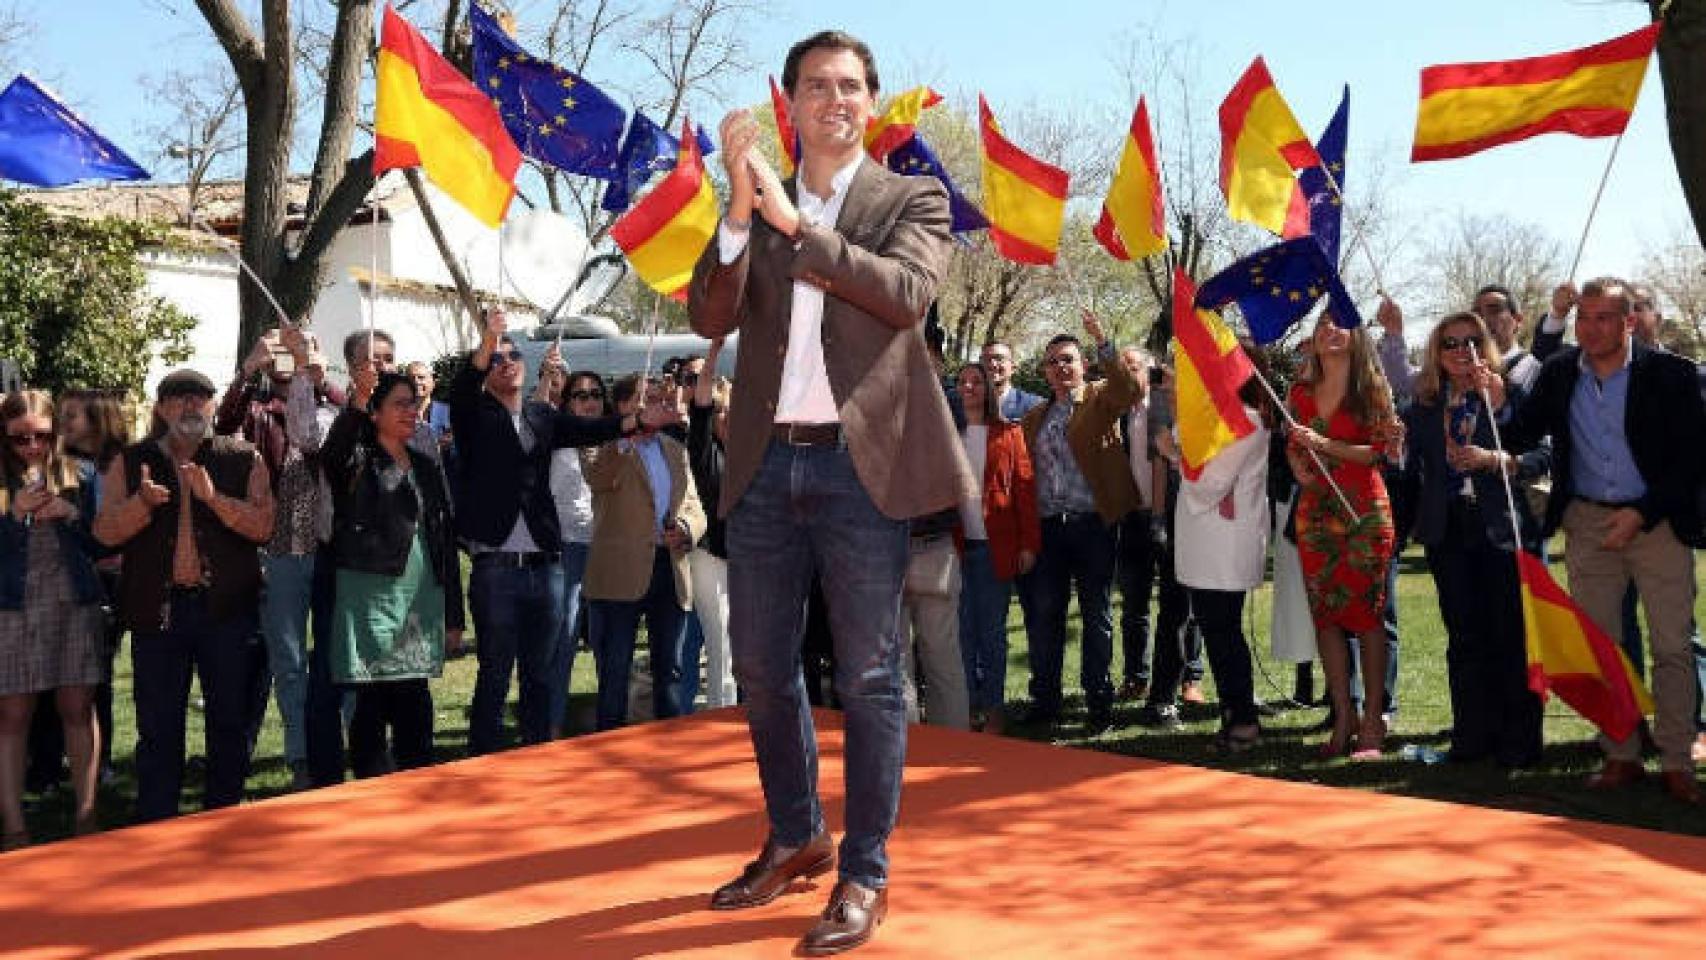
(1682,69)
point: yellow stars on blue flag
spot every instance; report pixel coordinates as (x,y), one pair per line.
(580,134)
(1276,287)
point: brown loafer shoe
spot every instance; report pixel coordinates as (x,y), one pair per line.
(1616,774)
(766,878)
(1681,785)
(850,919)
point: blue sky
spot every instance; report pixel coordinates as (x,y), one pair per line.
(1023,54)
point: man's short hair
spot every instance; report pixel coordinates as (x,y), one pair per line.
(354,341)
(829,40)
(1502,291)
(997,343)
(1613,287)
(1060,339)
(626,388)
(409,367)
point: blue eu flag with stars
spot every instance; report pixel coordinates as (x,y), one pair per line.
(44,144)
(553,115)
(647,151)
(1276,287)
(914,158)
(1325,208)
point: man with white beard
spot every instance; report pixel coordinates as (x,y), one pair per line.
(188,511)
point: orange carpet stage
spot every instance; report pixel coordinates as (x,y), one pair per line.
(606,846)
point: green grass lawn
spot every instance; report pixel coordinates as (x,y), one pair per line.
(1287,750)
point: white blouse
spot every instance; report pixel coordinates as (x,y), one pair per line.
(1210,550)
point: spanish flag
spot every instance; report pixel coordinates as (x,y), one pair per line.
(785,135)
(898,121)
(1210,370)
(1568,653)
(1470,107)
(1261,145)
(666,231)
(1134,218)
(1023,197)
(427,115)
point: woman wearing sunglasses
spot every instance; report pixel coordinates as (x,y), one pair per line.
(50,610)
(583,394)
(1464,520)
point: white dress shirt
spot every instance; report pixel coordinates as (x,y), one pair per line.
(805,395)
(1137,434)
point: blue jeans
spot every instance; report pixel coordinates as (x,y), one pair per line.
(284,622)
(162,663)
(804,513)
(692,649)
(517,615)
(615,625)
(1388,625)
(563,652)
(1080,548)
(983,626)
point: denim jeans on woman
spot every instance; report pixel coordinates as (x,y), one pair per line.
(984,599)
(563,652)
(285,605)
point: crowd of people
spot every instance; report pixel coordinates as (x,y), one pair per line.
(306,538)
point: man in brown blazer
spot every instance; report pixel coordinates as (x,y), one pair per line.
(1084,490)
(646,517)
(839,433)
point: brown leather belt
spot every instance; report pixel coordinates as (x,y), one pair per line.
(808,434)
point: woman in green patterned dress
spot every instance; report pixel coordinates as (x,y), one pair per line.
(399,585)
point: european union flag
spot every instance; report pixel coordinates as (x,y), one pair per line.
(1276,287)
(1325,207)
(647,151)
(44,144)
(553,115)
(914,158)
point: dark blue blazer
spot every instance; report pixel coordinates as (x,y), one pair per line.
(1426,476)
(1664,421)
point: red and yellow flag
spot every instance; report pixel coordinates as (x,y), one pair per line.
(664,234)
(426,114)
(1261,147)
(784,129)
(1023,197)
(1470,107)
(898,121)
(1210,370)
(1134,218)
(1568,653)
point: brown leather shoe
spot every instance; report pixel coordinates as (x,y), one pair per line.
(1616,774)
(1681,785)
(850,919)
(766,878)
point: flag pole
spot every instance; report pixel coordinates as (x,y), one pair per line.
(1313,456)
(226,247)
(1498,446)
(651,338)
(1358,238)
(1604,177)
(372,274)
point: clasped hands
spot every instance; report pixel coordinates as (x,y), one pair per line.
(753,183)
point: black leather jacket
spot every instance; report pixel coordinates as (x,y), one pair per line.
(373,527)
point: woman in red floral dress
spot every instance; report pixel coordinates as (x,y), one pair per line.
(1345,417)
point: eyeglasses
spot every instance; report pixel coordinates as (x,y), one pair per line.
(1458,343)
(586,394)
(506,356)
(1493,309)
(1061,360)
(25,439)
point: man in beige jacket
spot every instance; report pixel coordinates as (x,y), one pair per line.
(646,516)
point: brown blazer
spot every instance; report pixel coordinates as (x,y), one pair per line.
(619,562)
(1093,433)
(879,266)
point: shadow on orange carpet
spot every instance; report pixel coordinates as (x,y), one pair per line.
(606,846)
